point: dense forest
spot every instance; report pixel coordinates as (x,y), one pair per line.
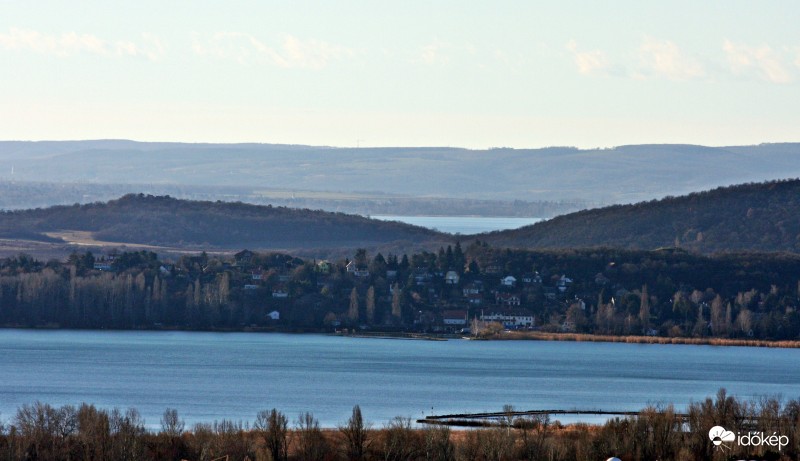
(43,432)
(666,293)
(166,221)
(749,217)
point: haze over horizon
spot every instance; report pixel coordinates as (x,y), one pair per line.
(354,73)
(330,146)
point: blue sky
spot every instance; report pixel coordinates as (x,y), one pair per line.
(375,73)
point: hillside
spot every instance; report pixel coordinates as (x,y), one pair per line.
(749,217)
(165,221)
(624,174)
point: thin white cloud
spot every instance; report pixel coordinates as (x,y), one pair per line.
(762,61)
(293,52)
(72,43)
(153,48)
(435,53)
(588,62)
(663,58)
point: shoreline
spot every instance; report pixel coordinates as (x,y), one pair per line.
(587,337)
(507,336)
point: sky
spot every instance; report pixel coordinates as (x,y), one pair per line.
(472,74)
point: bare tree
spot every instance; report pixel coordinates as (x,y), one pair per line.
(171,425)
(127,430)
(533,433)
(644,310)
(46,429)
(94,432)
(399,442)
(397,309)
(496,443)
(311,444)
(352,313)
(718,323)
(371,305)
(438,446)
(274,427)
(355,433)
(745,321)
(656,432)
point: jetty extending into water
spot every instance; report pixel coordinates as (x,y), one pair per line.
(503,418)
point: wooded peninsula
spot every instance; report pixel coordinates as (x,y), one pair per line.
(389,277)
(477,290)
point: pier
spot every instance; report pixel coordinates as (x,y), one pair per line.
(501,418)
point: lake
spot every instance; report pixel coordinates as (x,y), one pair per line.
(462,224)
(211,376)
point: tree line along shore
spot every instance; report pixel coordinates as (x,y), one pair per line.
(44,432)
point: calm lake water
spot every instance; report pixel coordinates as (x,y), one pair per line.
(461,224)
(210,376)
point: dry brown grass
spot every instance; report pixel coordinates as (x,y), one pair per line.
(583,337)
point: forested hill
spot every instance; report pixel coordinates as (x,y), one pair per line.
(749,217)
(165,221)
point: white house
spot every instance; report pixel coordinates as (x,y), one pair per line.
(451,278)
(455,318)
(508,281)
(274,315)
(563,283)
(516,318)
(530,278)
(507,299)
(356,271)
(324,267)
(472,289)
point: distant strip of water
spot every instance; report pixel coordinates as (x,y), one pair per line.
(211,376)
(462,224)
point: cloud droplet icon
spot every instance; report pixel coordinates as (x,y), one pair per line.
(719,434)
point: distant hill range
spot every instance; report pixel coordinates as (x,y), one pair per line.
(168,222)
(623,174)
(19,195)
(749,217)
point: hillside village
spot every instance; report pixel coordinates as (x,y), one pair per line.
(438,293)
(667,292)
